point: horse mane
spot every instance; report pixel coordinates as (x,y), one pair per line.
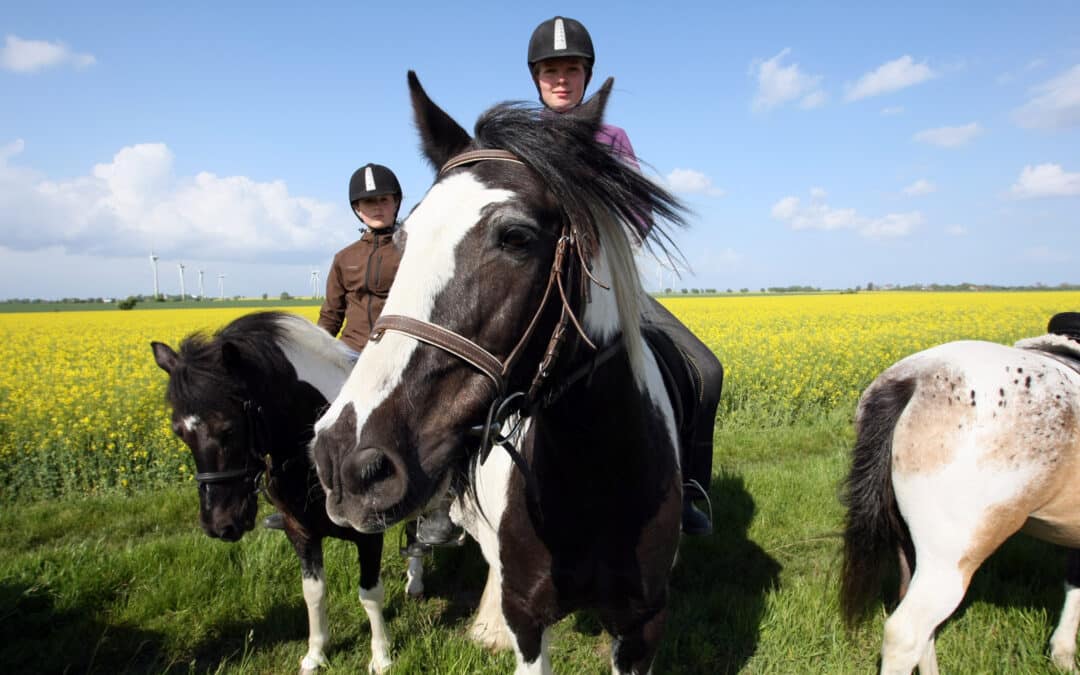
(204,379)
(610,203)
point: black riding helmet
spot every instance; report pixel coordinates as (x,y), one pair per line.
(560,37)
(373,180)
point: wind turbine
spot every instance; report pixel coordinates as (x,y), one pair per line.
(180,266)
(315,284)
(201,293)
(221,285)
(153,264)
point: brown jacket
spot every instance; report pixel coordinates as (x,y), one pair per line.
(357,286)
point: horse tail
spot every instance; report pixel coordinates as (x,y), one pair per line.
(873,527)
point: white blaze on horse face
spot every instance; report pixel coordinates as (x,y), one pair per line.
(191,423)
(451,208)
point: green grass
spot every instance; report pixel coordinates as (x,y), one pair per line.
(130,584)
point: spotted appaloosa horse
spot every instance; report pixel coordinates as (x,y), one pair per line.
(496,294)
(245,401)
(959,447)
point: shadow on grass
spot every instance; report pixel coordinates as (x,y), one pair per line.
(37,637)
(1024,573)
(718,590)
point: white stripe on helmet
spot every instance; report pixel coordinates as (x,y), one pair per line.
(369,180)
(560,35)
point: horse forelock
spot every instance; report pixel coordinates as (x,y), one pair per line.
(451,208)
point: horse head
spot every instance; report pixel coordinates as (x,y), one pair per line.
(495,294)
(236,395)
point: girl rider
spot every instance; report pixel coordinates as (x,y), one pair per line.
(560,61)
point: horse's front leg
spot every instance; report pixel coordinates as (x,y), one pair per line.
(314,583)
(372,594)
(529,636)
(489,628)
(1063,641)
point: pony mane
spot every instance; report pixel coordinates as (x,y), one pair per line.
(203,381)
(610,203)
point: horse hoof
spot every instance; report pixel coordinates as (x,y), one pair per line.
(383,666)
(310,666)
(1064,660)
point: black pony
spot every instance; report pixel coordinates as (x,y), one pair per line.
(517,306)
(244,401)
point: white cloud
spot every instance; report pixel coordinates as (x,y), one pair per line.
(949,137)
(892,110)
(889,77)
(694,182)
(27,56)
(817,215)
(919,188)
(1045,180)
(956,230)
(134,201)
(779,84)
(1055,104)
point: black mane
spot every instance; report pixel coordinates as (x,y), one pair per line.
(204,381)
(581,172)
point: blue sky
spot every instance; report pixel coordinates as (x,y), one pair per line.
(828,146)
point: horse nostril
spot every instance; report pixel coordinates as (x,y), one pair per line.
(363,468)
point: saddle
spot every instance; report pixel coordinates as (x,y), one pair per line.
(681,380)
(1062,341)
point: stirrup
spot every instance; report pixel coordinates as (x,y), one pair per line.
(692,483)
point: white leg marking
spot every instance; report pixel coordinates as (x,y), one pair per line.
(928,662)
(542,665)
(414,577)
(1063,641)
(936,589)
(489,628)
(318,634)
(372,600)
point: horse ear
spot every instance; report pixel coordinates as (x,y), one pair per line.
(593,109)
(440,136)
(232,358)
(165,356)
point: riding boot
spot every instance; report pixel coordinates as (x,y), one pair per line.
(694,520)
(274,521)
(435,528)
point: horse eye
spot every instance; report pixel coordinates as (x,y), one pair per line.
(516,238)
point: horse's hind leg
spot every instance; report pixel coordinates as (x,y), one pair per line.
(935,591)
(1063,641)
(906,554)
(372,594)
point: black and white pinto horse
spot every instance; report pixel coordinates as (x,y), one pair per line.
(245,401)
(959,447)
(519,277)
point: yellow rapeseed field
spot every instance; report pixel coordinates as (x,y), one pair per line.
(82,401)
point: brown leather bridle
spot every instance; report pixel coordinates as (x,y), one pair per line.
(567,249)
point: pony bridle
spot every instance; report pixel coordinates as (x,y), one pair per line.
(254,462)
(567,249)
